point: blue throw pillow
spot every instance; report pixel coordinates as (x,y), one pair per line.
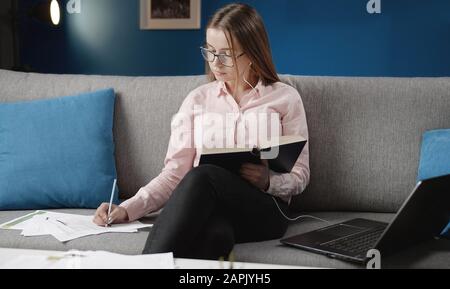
(57,153)
(435,158)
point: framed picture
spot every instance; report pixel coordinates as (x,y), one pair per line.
(170,14)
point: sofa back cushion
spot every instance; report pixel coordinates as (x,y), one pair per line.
(144,108)
(364,132)
(57,153)
(364,138)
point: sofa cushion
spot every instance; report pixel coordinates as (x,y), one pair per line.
(431,254)
(435,158)
(427,255)
(57,153)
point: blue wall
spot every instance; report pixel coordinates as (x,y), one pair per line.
(315,37)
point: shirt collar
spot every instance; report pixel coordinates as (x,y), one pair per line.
(222,88)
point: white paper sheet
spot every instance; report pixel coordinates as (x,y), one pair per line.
(91,260)
(65,227)
(21,222)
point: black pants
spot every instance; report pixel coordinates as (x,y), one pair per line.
(209,211)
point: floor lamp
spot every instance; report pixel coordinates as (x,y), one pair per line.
(47,11)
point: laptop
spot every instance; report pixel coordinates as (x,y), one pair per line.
(423,216)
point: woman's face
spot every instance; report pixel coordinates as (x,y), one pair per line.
(216,42)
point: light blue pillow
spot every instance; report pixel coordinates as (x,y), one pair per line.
(57,153)
(435,158)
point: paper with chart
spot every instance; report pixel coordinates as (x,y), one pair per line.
(65,227)
(75,259)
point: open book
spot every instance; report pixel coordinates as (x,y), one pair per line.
(281,153)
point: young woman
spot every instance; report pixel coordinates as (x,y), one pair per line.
(208,209)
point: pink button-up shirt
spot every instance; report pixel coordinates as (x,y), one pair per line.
(234,127)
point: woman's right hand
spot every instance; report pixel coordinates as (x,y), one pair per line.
(118,215)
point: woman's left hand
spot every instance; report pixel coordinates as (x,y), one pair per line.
(257,175)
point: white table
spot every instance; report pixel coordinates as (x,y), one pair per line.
(7,254)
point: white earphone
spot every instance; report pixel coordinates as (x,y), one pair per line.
(243,76)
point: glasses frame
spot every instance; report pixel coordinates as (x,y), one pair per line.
(218,56)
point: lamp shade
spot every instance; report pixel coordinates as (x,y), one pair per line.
(47,11)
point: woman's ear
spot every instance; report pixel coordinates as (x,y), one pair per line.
(251,66)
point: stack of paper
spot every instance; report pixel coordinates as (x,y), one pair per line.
(91,260)
(65,227)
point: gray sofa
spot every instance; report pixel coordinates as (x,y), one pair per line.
(365,136)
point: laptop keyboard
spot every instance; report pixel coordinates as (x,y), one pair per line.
(358,243)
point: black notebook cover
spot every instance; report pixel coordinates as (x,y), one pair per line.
(283,163)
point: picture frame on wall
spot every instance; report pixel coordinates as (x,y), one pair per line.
(170,14)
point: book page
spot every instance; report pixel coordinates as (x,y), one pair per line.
(273,142)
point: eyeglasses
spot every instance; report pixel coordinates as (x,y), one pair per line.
(226,60)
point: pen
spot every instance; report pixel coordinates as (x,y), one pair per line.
(110,203)
(61,222)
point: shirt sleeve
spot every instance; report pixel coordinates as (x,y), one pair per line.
(293,123)
(178,161)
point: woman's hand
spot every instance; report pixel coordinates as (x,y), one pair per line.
(257,175)
(118,215)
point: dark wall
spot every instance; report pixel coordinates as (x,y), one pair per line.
(6,36)
(320,37)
